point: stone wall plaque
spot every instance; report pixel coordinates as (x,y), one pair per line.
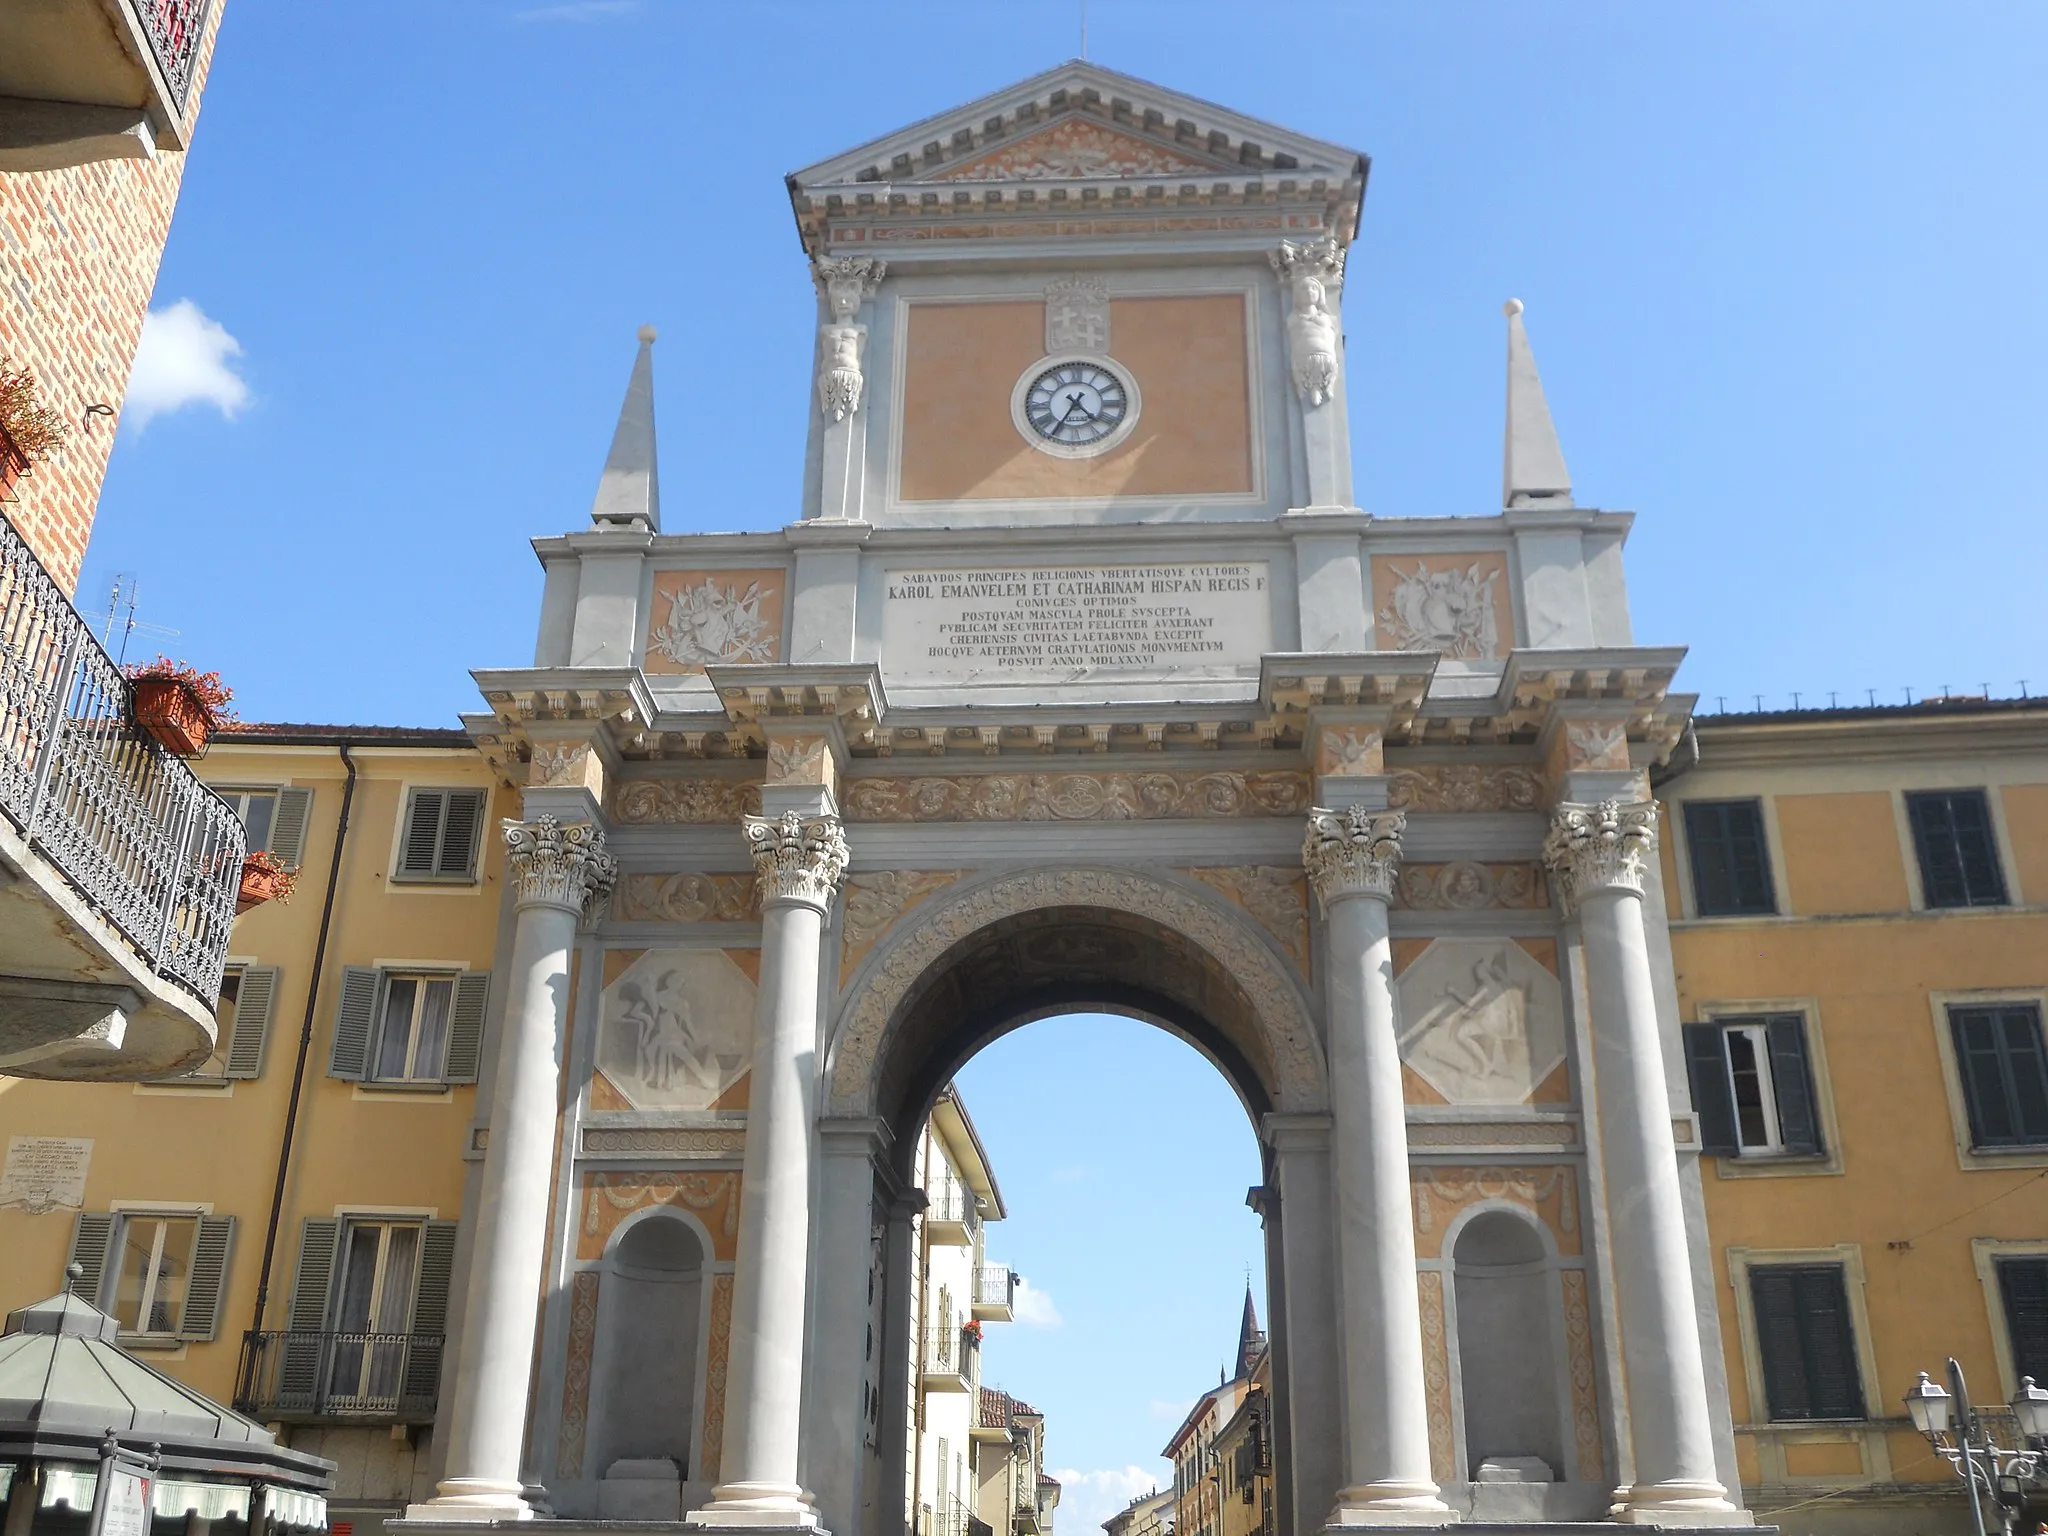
(1072,623)
(45,1173)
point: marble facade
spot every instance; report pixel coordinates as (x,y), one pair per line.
(1160,723)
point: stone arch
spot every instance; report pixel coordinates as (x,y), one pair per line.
(1140,942)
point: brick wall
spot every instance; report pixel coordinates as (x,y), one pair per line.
(79,250)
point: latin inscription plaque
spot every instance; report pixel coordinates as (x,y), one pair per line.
(1071,623)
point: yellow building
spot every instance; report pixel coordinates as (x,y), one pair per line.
(278,1228)
(1859,904)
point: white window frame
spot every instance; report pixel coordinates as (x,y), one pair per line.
(446,885)
(230,790)
(422,974)
(1985,1252)
(1779,1164)
(1969,1156)
(123,1211)
(1772,1437)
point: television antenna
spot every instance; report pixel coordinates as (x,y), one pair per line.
(121,604)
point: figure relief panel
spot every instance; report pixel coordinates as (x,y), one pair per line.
(1482,1021)
(700,617)
(1455,605)
(1465,885)
(1188,357)
(686,897)
(676,1029)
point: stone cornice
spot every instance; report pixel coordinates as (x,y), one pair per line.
(1353,852)
(1596,849)
(801,859)
(552,865)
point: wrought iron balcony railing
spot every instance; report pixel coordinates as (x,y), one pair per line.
(127,824)
(952,1356)
(175,28)
(995,1292)
(300,1376)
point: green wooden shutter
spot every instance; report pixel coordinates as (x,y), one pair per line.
(206,1293)
(302,1361)
(1706,1061)
(422,831)
(288,830)
(459,828)
(1792,1083)
(430,1315)
(255,1002)
(353,1017)
(1807,1342)
(2023,1285)
(1731,869)
(90,1240)
(466,1025)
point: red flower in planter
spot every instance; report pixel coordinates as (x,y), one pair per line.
(180,705)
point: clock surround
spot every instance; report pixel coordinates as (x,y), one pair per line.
(1102,406)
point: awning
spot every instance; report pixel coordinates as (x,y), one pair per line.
(209,1501)
(290,1507)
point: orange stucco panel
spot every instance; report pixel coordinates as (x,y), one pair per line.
(1841,853)
(1190,359)
(2026,826)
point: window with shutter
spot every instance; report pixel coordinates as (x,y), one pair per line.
(1958,855)
(249,1031)
(303,1362)
(288,831)
(441,833)
(430,1315)
(1731,867)
(1806,1340)
(354,1015)
(2023,1287)
(2004,1072)
(466,1026)
(1753,1086)
(91,1239)
(1706,1062)
(206,1293)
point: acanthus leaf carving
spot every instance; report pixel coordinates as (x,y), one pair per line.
(875,901)
(1462,787)
(1276,897)
(1593,848)
(1353,852)
(800,858)
(553,864)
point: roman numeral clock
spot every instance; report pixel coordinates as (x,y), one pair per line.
(1075,407)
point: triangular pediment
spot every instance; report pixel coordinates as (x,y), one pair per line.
(1076,148)
(1081,122)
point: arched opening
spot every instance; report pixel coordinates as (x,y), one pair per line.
(649,1326)
(1207,976)
(1507,1356)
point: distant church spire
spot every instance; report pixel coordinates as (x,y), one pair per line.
(629,491)
(1251,1339)
(1533,471)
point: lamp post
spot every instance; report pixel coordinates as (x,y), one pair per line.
(1959,1433)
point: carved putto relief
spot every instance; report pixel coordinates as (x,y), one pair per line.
(1078,796)
(647,802)
(1458,787)
(714,616)
(1076,315)
(1435,606)
(687,898)
(1466,886)
(676,1029)
(1074,148)
(1482,1022)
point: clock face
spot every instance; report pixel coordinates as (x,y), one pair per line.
(1076,404)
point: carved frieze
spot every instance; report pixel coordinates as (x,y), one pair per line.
(609,1197)
(687,898)
(1072,149)
(662,1141)
(1578,1346)
(874,902)
(718,1349)
(646,802)
(1464,885)
(1436,1375)
(1277,897)
(1459,787)
(1551,1192)
(576,1373)
(1492,1133)
(1153,796)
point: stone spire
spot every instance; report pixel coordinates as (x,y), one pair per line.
(1533,472)
(1251,1339)
(629,491)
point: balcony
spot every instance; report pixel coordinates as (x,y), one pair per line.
(85,80)
(952,1358)
(339,1378)
(118,867)
(995,1293)
(953,1217)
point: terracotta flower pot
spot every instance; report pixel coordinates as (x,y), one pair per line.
(261,882)
(174,714)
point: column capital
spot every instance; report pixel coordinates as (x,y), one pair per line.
(1353,852)
(557,865)
(1604,846)
(800,858)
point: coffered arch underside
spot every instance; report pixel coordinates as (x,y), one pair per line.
(1253,998)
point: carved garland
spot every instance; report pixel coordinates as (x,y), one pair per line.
(1276,1000)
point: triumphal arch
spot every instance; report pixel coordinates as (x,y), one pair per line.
(1080,680)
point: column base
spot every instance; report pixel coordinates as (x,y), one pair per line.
(472,1500)
(758,1507)
(1691,1505)
(1390,1502)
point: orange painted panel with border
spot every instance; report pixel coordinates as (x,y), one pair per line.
(1841,853)
(2026,828)
(1189,356)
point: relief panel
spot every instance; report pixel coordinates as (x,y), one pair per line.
(713,616)
(677,1029)
(1456,605)
(1482,1022)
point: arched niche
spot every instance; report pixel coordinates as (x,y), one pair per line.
(1512,1374)
(647,1370)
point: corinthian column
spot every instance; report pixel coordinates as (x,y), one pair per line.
(556,873)
(1601,854)
(1351,857)
(801,859)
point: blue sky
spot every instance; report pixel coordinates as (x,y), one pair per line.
(1782,268)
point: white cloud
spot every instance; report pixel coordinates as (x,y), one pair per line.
(1034,1307)
(577,10)
(183,359)
(1089,1498)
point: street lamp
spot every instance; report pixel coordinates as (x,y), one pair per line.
(1959,1432)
